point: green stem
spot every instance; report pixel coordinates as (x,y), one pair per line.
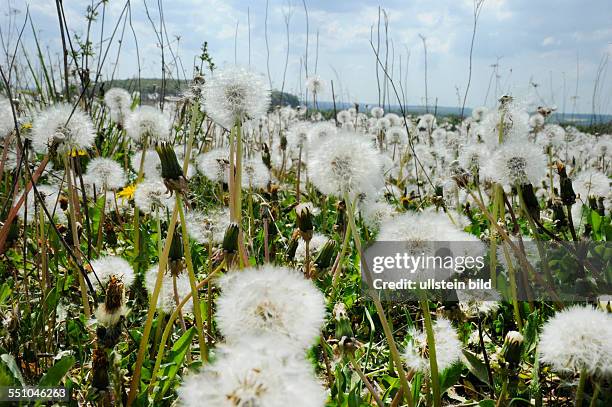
(170,324)
(379,308)
(431,346)
(163,263)
(580,389)
(192,282)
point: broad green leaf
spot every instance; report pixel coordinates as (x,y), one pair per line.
(56,373)
(10,363)
(476,366)
(450,376)
(174,361)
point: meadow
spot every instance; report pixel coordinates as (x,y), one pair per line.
(210,247)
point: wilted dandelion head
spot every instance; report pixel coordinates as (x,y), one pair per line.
(448,347)
(517,163)
(148,122)
(152,196)
(233,94)
(105,173)
(59,124)
(271,300)
(578,338)
(315,85)
(345,164)
(108,266)
(119,103)
(252,373)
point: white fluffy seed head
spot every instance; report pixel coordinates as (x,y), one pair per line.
(152,196)
(148,122)
(152,164)
(346,164)
(315,85)
(517,163)
(214,164)
(166,299)
(233,94)
(255,174)
(119,103)
(271,300)
(105,173)
(591,183)
(108,266)
(72,130)
(253,373)
(377,112)
(578,338)
(7,123)
(448,347)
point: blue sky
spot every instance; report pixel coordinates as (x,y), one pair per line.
(532,42)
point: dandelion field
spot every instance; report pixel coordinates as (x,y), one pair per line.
(214,248)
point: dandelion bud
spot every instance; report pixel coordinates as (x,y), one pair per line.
(230,239)
(291,248)
(283,142)
(460,175)
(175,256)
(172,172)
(265,156)
(326,254)
(304,220)
(340,221)
(344,332)
(512,348)
(531,201)
(568,196)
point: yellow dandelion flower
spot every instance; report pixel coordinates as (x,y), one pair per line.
(127,193)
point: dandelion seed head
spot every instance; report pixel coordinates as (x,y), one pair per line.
(252,373)
(214,164)
(315,85)
(148,122)
(377,112)
(119,103)
(270,300)
(516,163)
(448,347)
(166,299)
(578,338)
(233,94)
(152,196)
(346,164)
(58,123)
(105,173)
(108,266)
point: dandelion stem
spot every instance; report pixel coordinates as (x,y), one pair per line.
(580,390)
(431,346)
(192,282)
(163,263)
(379,308)
(364,379)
